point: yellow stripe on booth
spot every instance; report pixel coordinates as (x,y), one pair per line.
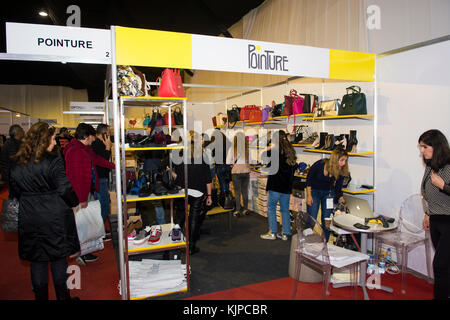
(351,65)
(153,48)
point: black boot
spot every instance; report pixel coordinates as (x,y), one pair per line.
(323,136)
(41,293)
(62,292)
(158,186)
(352,141)
(331,143)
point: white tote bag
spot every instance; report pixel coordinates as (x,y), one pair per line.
(89,222)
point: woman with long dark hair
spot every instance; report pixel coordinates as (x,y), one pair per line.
(435,190)
(279,187)
(47,230)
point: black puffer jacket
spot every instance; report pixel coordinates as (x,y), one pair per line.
(47,229)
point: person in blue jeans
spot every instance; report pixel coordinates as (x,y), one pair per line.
(154,161)
(324,185)
(279,187)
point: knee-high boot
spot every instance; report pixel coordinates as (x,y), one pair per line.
(41,293)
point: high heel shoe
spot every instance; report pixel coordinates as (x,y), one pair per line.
(352,142)
(322,141)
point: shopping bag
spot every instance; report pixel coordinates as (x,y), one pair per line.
(170,84)
(10,215)
(89,222)
(91,246)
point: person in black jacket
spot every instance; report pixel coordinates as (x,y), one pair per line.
(10,148)
(47,231)
(102,146)
(279,187)
(199,190)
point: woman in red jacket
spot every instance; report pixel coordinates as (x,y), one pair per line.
(80,168)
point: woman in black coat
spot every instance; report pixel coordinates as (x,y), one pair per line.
(47,230)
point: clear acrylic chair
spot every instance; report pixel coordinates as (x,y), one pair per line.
(409,234)
(314,252)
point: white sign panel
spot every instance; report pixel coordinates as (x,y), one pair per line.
(237,55)
(75,44)
(87,106)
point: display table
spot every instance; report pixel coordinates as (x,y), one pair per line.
(346,222)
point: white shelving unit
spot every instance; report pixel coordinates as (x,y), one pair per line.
(166,243)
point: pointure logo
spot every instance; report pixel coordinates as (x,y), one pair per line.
(260,59)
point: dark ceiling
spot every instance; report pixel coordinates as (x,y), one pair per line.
(207,17)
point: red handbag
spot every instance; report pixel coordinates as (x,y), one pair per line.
(245,111)
(170,84)
(166,119)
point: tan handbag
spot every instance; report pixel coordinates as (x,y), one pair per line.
(330,107)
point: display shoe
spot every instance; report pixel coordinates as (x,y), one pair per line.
(316,142)
(339,141)
(326,144)
(158,185)
(268,236)
(132,235)
(331,142)
(323,136)
(175,234)
(134,225)
(352,142)
(145,190)
(142,236)
(310,139)
(155,235)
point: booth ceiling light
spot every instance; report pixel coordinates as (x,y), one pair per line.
(18,115)
(43,13)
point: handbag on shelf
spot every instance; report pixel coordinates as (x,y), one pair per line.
(298,103)
(277,109)
(265,114)
(330,107)
(170,84)
(147,120)
(255,115)
(311,102)
(10,215)
(166,119)
(234,114)
(178,116)
(288,104)
(353,102)
(130,82)
(245,112)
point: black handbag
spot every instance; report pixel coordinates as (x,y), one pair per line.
(10,215)
(178,116)
(227,201)
(353,102)
(234,114)
(277,110)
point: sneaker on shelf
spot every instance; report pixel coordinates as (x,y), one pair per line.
(282,236)
(142,236)
(89,258)
(155,235)
(132,236)
(268,236)
(80,261)
(175,234)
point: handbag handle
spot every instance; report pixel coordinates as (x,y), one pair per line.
(353,88)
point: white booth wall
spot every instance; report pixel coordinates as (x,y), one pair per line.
(413,96)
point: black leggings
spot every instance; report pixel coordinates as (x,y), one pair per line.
(39,273)
(440,236)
